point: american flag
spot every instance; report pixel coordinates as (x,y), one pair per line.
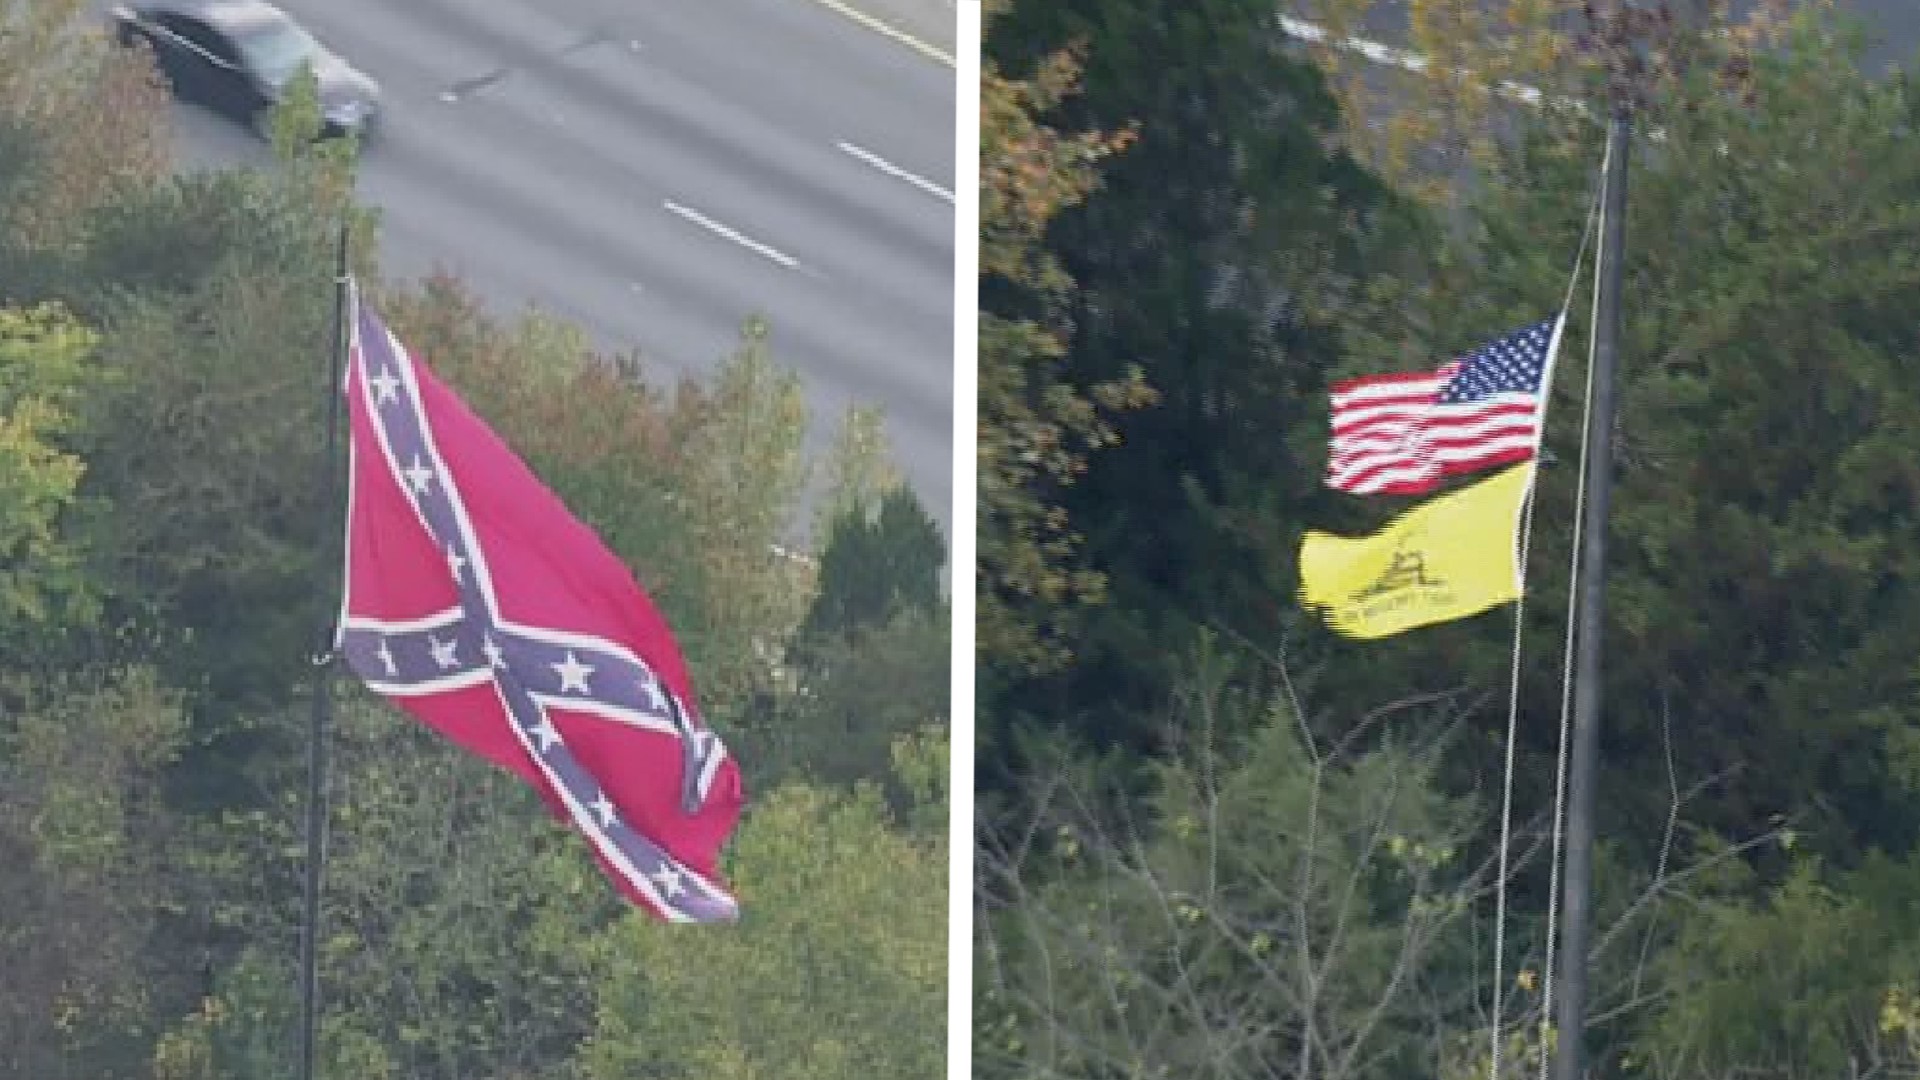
(1402,434)
(478,604)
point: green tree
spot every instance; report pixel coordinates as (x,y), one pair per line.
(1228,255)
(853,697)
(458,914)
(1271,907)
(872,661)
(43,373)
(858,469)
(203,451)
(837,968)
(99,115)
(1795,984)
(878,562)
(88,889)
(1273,901)
(1037,426)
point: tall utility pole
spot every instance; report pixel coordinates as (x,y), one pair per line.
(1591,595)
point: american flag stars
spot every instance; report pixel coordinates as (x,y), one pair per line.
(1511,365)
(1402,434)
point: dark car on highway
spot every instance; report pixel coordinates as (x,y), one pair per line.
(237,57)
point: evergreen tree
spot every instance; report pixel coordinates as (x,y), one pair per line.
(1220,256)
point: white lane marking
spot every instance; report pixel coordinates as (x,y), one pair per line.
(897,172)
(1401,58)
(1411,61)
(790,555)
(744,241)
(885,30)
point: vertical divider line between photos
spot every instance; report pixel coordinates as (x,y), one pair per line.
(966,459)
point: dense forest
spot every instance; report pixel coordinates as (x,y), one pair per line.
(165,572)
(1218,841)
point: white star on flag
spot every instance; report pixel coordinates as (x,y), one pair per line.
(669,881)
(547,734)
(386,387)
(655,700)
(573,674)
(419,477)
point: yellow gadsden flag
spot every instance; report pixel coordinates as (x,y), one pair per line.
(1455,556)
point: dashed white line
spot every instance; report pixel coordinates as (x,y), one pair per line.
(790,555)
(734,235)
(897,172)
(1411,61)
(1408,61)
(882,28)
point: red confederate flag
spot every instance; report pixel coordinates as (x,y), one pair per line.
(479,605)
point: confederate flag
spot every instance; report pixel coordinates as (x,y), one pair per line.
(479,605)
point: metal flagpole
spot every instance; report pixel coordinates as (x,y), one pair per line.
(1570,1018)
(322,692)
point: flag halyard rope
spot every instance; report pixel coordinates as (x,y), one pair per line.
(1566,672)
(1513,701)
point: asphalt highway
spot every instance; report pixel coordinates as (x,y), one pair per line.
(659,172)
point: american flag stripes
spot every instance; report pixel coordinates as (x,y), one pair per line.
(1403,434)
(478,604)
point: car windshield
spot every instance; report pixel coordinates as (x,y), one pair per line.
(275,50)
